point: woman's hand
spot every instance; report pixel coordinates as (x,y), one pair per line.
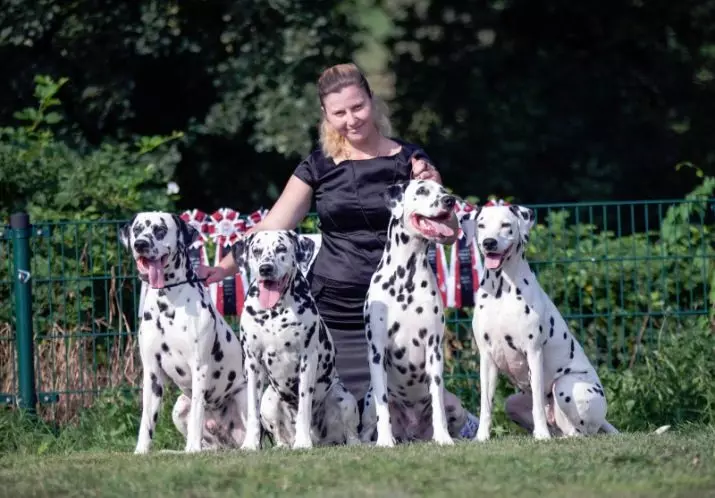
(212,274)
(422,170)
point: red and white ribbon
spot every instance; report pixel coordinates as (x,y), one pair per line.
(256,217)
(438,261)
(465,264)
(225,228)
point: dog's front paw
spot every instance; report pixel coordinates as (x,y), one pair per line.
(482,435)
(302,443)
(141,450)
(541,434)
(443,438)
(192,448)
(385,442)
(251,444)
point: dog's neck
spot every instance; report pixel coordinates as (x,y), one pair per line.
(512,273)
(401,246)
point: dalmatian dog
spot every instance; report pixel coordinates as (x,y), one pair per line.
(289,350)
(184,340)
(404,321)
(520,333)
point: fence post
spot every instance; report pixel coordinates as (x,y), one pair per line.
(21,231)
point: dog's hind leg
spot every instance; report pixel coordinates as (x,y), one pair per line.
(180,413)
(579,405)
(349,416)
(274,418)
(369,419)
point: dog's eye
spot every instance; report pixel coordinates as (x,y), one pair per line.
(481,225)
(159,232)
(281,248)
(256,251)
(422,191)
(506,225)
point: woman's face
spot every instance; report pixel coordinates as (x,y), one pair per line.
(350,112)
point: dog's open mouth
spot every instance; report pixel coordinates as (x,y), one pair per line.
(494,260)
(153,269)
(269,291)
(435,227)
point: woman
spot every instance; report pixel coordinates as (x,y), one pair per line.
(346,178)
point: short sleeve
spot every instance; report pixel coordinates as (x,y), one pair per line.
(417,152)
(306,171)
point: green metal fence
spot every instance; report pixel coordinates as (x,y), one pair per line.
(621,273)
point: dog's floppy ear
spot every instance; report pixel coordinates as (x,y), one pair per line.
(395,198)
(124,232)
(304,248)
(526,219)
(187,232)
(239,250)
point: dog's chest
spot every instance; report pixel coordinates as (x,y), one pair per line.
(508,323)
(279,337)
(405,293)
(185,333)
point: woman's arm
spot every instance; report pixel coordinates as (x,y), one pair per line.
(290,208)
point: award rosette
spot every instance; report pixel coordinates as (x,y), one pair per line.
(225,226)
(256,217)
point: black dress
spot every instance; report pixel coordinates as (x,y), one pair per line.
(353,220)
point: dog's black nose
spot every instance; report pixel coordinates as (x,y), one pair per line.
(448,201)
(490,244)
(265,270)
(141,245)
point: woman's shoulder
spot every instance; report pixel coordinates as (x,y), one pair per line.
(312,167)
(409,149)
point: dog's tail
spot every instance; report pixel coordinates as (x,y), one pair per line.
(609,429)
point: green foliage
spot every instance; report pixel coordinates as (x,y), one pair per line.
(506,103)
(56,181)
(238,77)
(111,422)
(53,180)
(671,384)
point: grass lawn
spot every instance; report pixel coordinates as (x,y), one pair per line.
(679,463)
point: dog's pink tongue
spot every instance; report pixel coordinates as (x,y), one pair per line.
(492,261)
(268,293)
(438,228)
(156,274)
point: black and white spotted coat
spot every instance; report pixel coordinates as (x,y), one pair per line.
(404,320)
(290,353)
(183,339)
(520,332)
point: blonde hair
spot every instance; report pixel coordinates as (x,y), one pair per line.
(334,79)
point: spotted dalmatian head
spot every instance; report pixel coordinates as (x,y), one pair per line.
(501,230)
(425,209)
(273,257)
(157,242)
